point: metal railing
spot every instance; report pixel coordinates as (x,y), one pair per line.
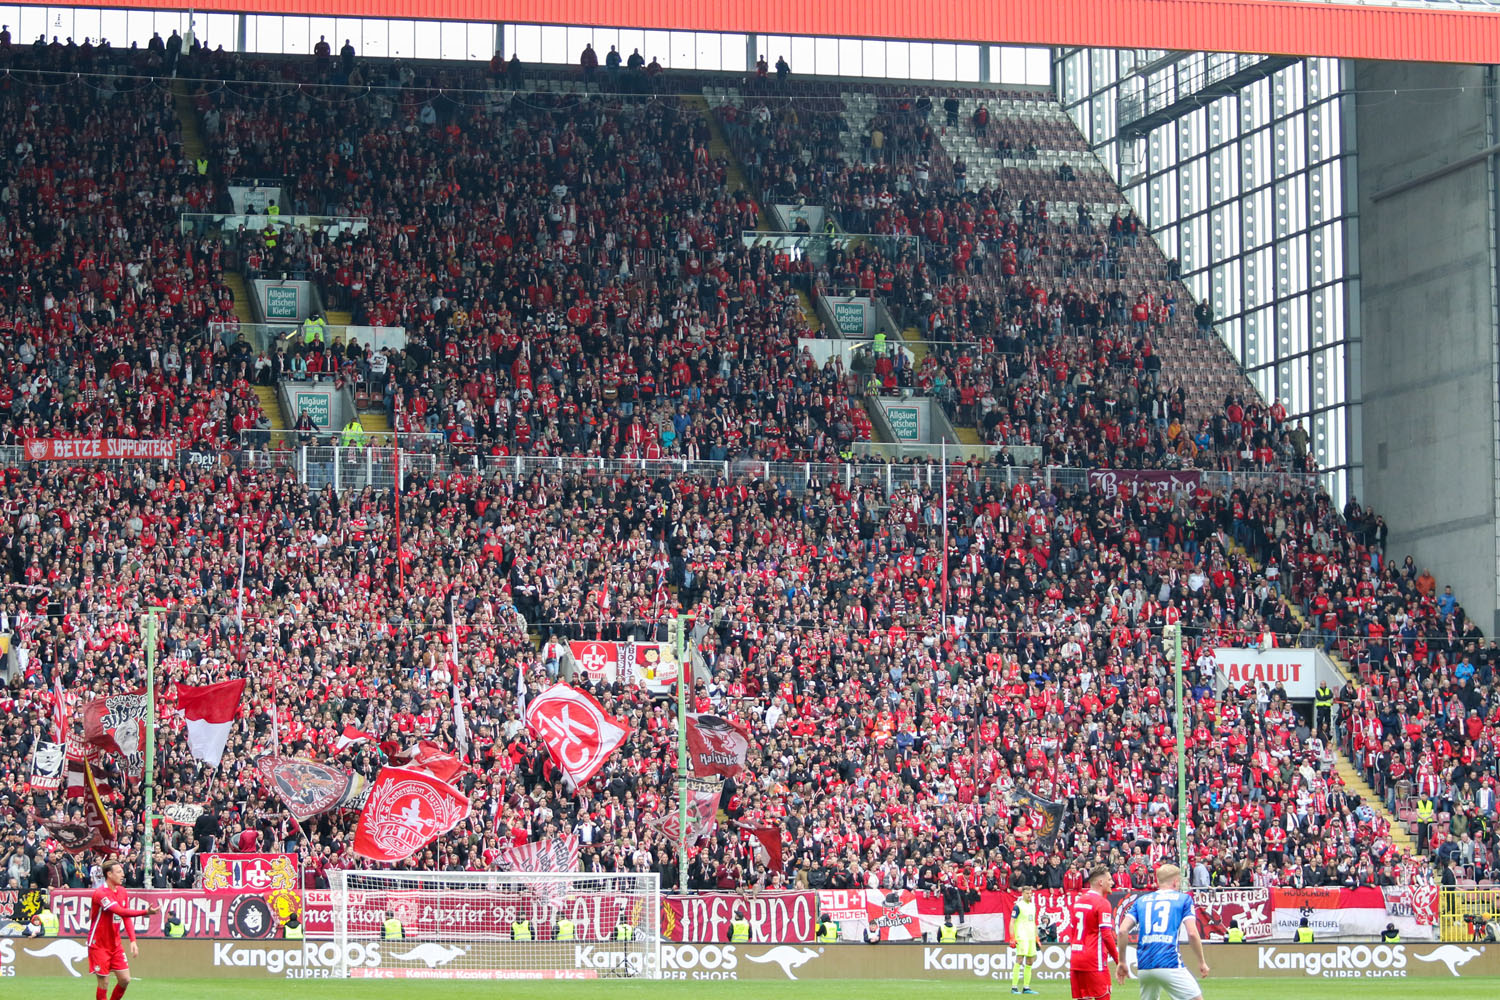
(262,335)
(323,464)
(205,223)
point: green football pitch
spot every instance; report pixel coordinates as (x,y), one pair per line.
(270,989)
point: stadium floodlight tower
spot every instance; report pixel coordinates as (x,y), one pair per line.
(496,925)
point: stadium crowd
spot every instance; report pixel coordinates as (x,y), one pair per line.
(571,279)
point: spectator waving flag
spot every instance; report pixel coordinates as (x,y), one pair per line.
(406,810)
(556,854)
(117,723)
(351,735)
(209,711)
(703,797)
(427,756)
(1044,814)
(716,746)
(577,731)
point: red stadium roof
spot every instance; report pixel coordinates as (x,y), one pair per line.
(1262,26)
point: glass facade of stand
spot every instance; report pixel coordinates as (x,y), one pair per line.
(540,43)
(1252,191)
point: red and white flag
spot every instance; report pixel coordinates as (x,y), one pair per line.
(209,711)
(406,810)
(702,811)
(716,746)
(351,735)
(556,854)
(117,723)
(59,708)
(767,844)
(579,734)
(428,757)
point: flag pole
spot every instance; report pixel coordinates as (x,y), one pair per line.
(148,777)
(943,560)
(1182,816)
(396,500)
(683,669)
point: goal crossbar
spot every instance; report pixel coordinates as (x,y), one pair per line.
(496,925)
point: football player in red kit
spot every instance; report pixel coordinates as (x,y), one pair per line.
(1091,931)
(105,954)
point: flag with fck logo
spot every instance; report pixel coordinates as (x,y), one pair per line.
(577,731)
(406,811)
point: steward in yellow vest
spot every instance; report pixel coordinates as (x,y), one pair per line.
(565,931)
(520,930)
(739,930)
(392,930)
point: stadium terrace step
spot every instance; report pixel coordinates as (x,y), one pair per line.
(1353,779)
(241,292)
(718,147)
(271,405)
(967,435)
(1355,782)
(876,434)
(807,310)
(375,421)
(338,317)
(192,139)
(913,338)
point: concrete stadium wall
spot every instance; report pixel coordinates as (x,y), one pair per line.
(1428,321)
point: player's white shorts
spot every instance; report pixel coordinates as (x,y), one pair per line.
(1176,984)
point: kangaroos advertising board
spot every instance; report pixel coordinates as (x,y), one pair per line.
(199,959)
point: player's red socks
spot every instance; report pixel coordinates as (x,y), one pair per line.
(98,993)
(117,992)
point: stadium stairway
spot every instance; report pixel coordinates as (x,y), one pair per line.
(734,180)
(187,116)
(1401,830)
(271,405)
(241,293)
(338,317)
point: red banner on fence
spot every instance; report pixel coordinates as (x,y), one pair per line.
(97,449)
(773,916)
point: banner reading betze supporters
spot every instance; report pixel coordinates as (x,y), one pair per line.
(773,916)
(105,449)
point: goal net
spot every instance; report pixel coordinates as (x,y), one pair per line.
(496,925)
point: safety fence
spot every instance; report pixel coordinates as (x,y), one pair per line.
(374,465)
(1470,914)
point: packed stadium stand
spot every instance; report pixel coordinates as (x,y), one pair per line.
(619,426)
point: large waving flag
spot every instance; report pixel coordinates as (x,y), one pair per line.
(351,735)
(406,811)
(117,723)
(579,734)
(716,746)
(209,710)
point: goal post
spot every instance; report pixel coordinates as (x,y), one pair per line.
(496,925)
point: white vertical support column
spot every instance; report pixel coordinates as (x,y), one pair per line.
(302,463)
(751,52)
(338,469)
(369,466)
(241,32)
